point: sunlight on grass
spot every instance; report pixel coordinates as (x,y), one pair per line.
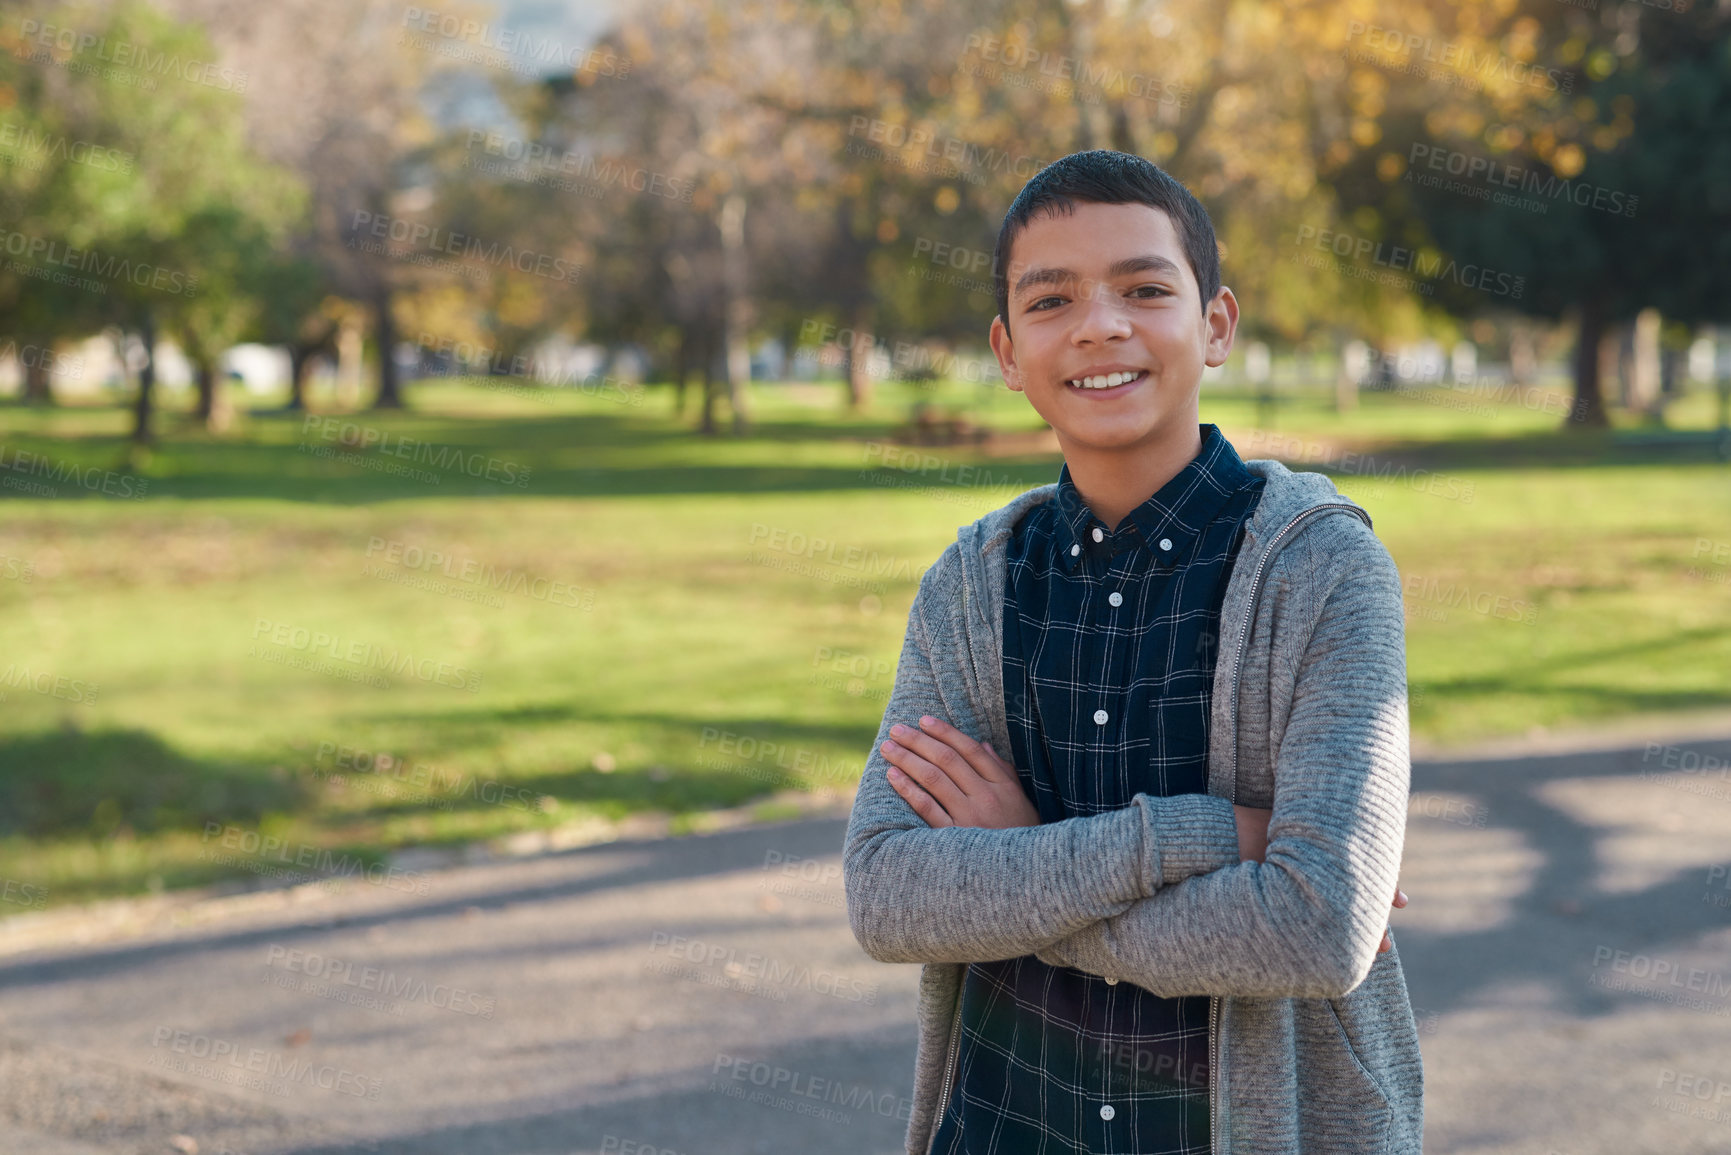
(347,657)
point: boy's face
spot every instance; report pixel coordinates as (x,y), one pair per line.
(1107,289)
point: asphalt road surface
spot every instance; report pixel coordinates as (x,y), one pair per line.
(1568,948)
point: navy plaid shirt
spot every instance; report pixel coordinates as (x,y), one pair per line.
(1109,647)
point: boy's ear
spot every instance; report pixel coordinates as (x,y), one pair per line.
(1221,321)
(1005,350)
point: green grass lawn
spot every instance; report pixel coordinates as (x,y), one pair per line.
(263,639)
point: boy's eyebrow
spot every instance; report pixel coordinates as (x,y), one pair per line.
(1048,275)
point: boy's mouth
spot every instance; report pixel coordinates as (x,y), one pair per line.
(1106,382)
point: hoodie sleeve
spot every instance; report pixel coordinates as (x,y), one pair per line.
(1306,921)
(966,894)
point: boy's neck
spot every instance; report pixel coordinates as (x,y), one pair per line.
(1115,481)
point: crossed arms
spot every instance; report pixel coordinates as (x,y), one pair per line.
(1168,893)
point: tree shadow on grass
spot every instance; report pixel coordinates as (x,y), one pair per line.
(371,457)
(71,783)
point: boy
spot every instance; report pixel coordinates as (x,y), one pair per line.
(1140,792)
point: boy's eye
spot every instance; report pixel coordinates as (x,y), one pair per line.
(1037,304)
(1151,290)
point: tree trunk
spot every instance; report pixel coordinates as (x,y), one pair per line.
(37,357)
(385,328)
(790,346)
(737,309)
(706,418)
(349,363)
(681,370)
(1588,411)
(858,359)
(1523,356)
(214,406)
(141,434)
(300,360)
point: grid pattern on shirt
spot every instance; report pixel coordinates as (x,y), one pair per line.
(1106,697)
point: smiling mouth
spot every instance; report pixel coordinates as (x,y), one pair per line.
(1106,380)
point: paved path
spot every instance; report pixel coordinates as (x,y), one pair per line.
(1568,949)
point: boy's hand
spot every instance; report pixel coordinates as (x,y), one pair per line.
(1399,900)
(1253,847)
(951,780)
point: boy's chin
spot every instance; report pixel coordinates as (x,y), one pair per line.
(1118,431)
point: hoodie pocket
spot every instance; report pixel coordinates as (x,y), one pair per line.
(1348,1110)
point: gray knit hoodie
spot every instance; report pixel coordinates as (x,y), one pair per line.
(1312,1039)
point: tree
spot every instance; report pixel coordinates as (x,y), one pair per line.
(1605,198)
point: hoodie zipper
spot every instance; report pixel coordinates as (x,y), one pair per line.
(949,1067)
(1232,793)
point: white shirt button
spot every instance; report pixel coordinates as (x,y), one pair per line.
(1098,536)
(1111,982)
(1074,550)
(1165,543)
(1107,1112)
(1115,598)
(1100,717)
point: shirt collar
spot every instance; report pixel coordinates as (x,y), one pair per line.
(1167,522)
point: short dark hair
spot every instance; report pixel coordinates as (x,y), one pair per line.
(1104,176)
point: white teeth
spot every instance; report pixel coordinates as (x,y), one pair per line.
(1105,381)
